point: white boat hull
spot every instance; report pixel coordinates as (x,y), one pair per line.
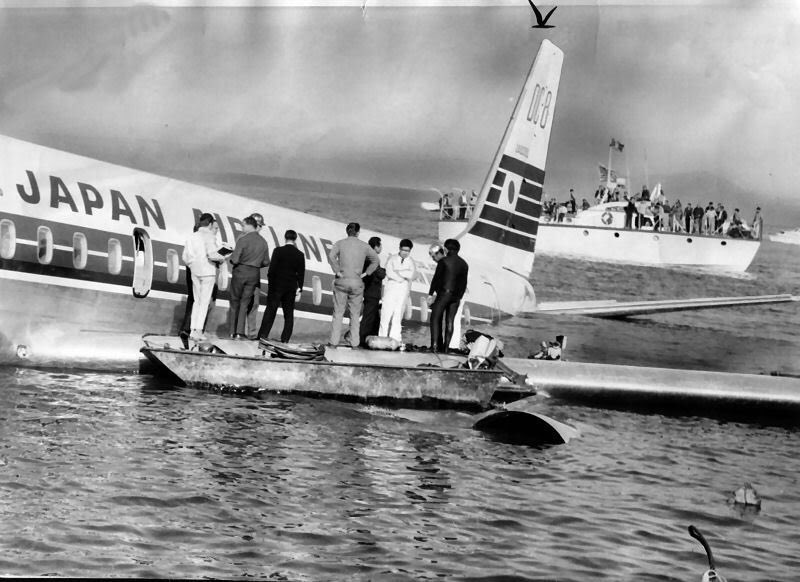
(791,237)
(646,247)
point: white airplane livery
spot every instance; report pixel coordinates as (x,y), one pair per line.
(90,251)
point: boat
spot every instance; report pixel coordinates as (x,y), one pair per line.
(598,233)
(789,237)
(419,379)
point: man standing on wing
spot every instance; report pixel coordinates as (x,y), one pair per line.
(287,270)
(370,314)
(400,271)
(250,255)
(448,286)
(346,258)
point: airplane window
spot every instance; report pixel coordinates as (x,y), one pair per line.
(142,263)
(511,192)
(8,239)
(173,266)
(316,290)
(80,250)
(114,256)
(423,308)
(44,238)
(466,315)
(409,311)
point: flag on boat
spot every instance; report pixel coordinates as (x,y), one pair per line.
(616,144)
(604,176)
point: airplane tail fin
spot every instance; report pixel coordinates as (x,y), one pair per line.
(505,219)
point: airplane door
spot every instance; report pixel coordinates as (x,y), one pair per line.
(142,263)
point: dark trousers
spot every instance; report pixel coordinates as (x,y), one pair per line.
(443,314)
(283,298)
(370,318)
(187,315)
(244,284)
(628,219)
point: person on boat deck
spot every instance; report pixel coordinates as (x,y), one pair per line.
(573,204)
(447,288)
(400,271)
(462,205)
(201,256)
(251,253)
(709,217)
(758,224)
(346,258)
(697,216)
(644,215)
(656,209)
(677,216)
(645,193)
(630,210)
(285,276)
(371,312)
(473,200)
(561,212)
(666,216)
(688,219)
(251,323)
(721,215)
(447,207)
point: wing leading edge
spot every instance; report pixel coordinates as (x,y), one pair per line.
(622,309)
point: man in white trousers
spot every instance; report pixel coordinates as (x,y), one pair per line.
(201,256)
(400,271)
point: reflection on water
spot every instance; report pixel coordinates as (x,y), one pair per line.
(120,476)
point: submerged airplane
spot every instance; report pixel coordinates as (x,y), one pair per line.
(90,251)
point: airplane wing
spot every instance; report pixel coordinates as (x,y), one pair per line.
(622,309)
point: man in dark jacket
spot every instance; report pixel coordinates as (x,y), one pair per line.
(370,313)
(285,276)
(250,255)
(448,285)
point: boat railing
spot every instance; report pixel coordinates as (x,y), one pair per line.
(456,212)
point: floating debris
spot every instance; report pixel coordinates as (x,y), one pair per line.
(746,495)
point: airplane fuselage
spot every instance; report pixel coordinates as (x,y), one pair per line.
(90,258)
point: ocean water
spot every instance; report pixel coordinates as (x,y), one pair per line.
(105,474)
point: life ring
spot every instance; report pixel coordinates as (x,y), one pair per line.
(607,218)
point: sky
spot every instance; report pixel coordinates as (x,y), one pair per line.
(411,96)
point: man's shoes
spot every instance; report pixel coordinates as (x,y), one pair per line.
(252,338)
(238,336)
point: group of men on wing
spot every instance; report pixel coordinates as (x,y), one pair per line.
(358,285)
(360,281)
(204,251)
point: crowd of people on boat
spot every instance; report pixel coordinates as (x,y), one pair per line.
(374,296)
(457,205)
(657,213)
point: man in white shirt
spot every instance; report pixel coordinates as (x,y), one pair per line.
(201,256)
(400,271)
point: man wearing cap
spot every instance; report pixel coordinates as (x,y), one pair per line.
(250,255)
(346,258)
(448,286)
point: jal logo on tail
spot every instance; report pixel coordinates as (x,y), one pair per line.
(542,22)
